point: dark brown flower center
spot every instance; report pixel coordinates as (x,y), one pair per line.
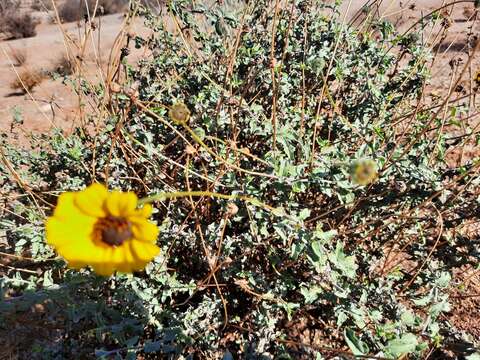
(112,230)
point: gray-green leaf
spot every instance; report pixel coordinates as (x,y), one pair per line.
(402,345)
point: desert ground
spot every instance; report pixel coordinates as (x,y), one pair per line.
(52,103)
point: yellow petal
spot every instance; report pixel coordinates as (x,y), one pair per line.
(66,208)
(144,230)
(121,204)
(127,263)
(104,269)
(80,252)
(145,212)
(91,200)
(144,251)
(104,266)
(118,258)
(61,232)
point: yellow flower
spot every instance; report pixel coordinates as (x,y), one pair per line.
(102,229)
(179,113)
(365,172)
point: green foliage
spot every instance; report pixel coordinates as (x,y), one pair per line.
(282,124)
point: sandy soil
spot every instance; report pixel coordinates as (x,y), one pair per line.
(53,103)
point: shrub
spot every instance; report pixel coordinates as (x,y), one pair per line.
(14,24)
(74,10)
(293,109)
(42,5)
(9,5)
(27,80)
(17,25)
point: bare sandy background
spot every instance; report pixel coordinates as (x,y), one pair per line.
(55,104)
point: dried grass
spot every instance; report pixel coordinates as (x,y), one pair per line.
(27,80)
